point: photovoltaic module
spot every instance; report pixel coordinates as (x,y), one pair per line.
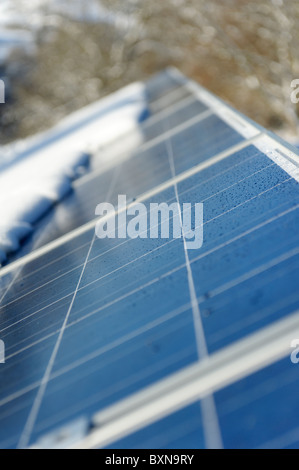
(141,342)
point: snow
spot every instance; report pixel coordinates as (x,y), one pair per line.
(38,172)
(11,40)
(36,12)
(21,19)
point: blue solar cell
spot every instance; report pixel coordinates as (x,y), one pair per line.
(189,108)
(271,295)
(261,410)
(198,142)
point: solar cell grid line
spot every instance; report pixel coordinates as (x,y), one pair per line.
(208,147)
(159,85)
(164,90)
(154,117)
(154,129)
(172,97)
(212,431)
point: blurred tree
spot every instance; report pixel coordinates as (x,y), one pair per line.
(245,52)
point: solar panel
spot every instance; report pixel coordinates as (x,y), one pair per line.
(145,343)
